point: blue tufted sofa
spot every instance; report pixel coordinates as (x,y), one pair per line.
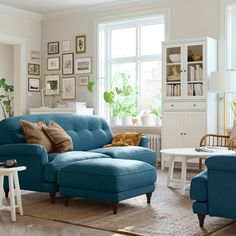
(214,190)
(89,134)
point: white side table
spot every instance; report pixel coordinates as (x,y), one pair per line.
(187,154)
(13,180)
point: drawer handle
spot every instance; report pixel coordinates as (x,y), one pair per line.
(184,133)
(194,105)
(172,105)
(181,133)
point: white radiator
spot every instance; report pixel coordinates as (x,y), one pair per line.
(154,142)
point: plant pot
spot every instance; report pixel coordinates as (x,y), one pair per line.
(145,119)
(126,120)
(115,120)
(157,121)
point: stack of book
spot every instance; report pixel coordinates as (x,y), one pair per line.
(173,90)
(196,73)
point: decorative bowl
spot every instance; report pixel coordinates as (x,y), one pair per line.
(196,58)
(174,58)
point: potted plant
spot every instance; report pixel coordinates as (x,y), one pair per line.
(157,115)
(6,98)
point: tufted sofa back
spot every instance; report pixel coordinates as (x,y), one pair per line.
(87,132)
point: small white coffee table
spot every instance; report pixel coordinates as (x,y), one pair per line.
(187,154)
(12,174)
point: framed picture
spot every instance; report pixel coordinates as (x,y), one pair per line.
(33,84)
(66,45)
(83,80)
(68,63)
(68,88)
(53,48)
(53,63)
(80,43)
(35,56)
(33,69)
(83,65)
(52,84)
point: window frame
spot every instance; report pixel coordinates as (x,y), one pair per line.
(146,19)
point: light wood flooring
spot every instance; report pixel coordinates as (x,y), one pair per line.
(32,226)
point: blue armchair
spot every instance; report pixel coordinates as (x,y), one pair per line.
(214,190)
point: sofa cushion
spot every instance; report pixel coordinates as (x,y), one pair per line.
(63,159)
(198,188)
(107,175)
(130,153)
(59,137)
(33,133)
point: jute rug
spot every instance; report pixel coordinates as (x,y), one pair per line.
(169,214)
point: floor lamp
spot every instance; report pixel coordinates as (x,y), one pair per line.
(48,87)
(223,82)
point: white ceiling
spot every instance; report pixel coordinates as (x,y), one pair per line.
(45,7)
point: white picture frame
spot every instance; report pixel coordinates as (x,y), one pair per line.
(52,82)
(53,63)
(83,65)
(35,56)
(33,84)
(83,80)
(68,88)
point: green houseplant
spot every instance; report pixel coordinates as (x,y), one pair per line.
(6,98)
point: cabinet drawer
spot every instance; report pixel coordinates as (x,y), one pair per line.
(184,106)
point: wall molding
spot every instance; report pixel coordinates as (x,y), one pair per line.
(20,12)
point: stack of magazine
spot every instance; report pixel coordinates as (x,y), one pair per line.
(204,149)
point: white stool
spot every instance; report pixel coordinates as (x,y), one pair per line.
(14,190)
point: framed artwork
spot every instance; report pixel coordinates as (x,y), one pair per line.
(53,48)
(53,63)
(83,80)
(33,84)
(66,45)
(35,56)
(80,43)
(83,65)
(68,63)
(52,84)
(68,88)
(33,69)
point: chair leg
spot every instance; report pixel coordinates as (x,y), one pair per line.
(114,207)
(6,190)
(201,219)
(149,196)
(200,164)
(52,197)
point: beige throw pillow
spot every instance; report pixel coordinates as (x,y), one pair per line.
(33,133)
(59,137)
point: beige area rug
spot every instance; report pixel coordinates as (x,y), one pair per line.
(169,213)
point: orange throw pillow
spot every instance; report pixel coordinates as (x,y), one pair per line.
(126,139)
(33,133)
(59,137)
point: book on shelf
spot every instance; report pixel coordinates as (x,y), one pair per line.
(173,90)
(190,89)
(195,73)
(198,89)
(192,73)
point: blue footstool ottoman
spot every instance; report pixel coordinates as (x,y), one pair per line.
(111,180)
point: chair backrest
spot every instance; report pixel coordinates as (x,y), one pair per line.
(215,140)
(87,132)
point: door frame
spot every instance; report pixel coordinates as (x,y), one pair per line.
(20,73)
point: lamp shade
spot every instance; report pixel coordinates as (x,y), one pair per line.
(223,82)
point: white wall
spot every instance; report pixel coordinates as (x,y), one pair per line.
(189,18)
(25,25)
(6,66)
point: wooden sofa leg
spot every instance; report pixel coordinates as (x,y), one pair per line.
(201,219)
(149,196)
(200,164)
(52,197)
(66,201)
(114,207)
(6,190)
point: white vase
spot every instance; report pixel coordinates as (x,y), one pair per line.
(126,120)
(157,121)
(115,120)
(145,119)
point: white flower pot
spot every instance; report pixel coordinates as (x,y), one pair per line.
(157,121)
(115,120)
(126,120)
(145,119)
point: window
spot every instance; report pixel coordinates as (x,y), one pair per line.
(230,36)
(130,66)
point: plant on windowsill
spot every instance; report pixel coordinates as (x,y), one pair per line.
(6,98)
(157,114)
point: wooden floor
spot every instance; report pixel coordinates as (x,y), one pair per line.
(32,226)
